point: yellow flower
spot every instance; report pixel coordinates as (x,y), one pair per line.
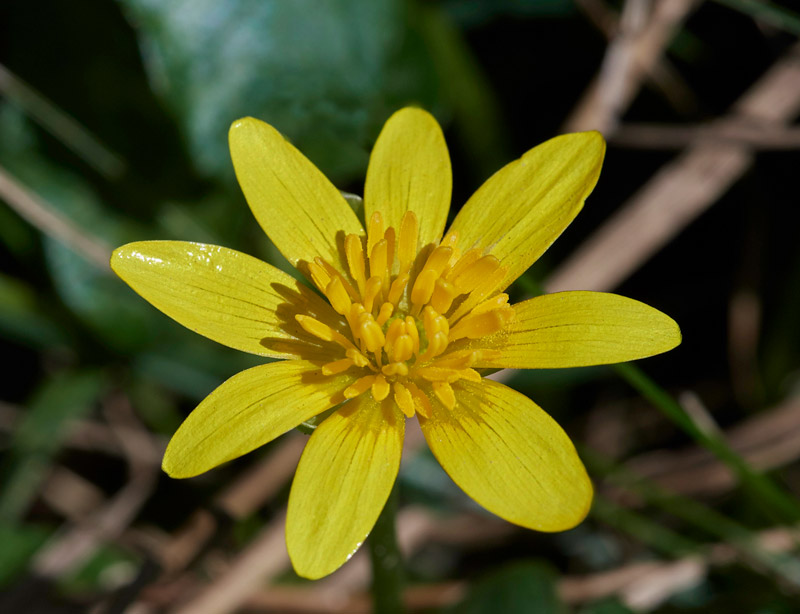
(410,315)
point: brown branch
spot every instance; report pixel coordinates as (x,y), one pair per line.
(680,191)
(52,222)
(641,586)
(631,55)
(70,548)
(736,131)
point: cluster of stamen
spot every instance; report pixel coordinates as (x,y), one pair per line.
(406,310)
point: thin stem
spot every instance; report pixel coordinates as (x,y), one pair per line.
(767,12)
(387,563)
(700,516)
(766,492)
(61,125)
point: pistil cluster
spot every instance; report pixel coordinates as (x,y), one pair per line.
(407,309)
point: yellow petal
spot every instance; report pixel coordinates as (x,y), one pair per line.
(227,296)
(342,482)
(578,329)
(247,411)
(299,209)
(526,205)
(509,456)
(409,170)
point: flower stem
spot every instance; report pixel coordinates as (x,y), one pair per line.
(781,506)
(387,563)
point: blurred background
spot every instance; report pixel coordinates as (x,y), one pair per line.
(113,123)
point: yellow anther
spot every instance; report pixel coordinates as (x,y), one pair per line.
(423,288)
(396,291)
(323,331)
(444,392)
(380,388)
(411,331)
(354,319)
(482,324)
(473,275)
(379,260)
(354,251)
(357,357)
(484,289)
(395,368)
(337,366)
(374,231)
(461,359)
(496,302)
(391,241)
(319,276)
(359,387)
(403,398)
(338,296)
(387,309)
(443,294)
(371,290)
(396,328)
(450,239)
(437,344)
(421,402)
(438,259)
(433,322)
(441,374)
(315,327)
(407,244)
(402,349)
(471,256)
(371,333)
(328,268)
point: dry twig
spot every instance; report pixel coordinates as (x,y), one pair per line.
(680,191)
(53,223)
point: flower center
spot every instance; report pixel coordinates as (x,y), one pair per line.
(409,312)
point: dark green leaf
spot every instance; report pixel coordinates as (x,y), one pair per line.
(20,542)
(520,588)
(326,74)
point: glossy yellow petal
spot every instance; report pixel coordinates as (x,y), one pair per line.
(342,482)
(227,296)
(578,329)
(510,456)
(409,170)
(526,205)
(300,210)
(247,411)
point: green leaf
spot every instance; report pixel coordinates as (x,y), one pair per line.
(607,606)
(326,74)
(22,317)
(519,588)
(20,543)
(39,435)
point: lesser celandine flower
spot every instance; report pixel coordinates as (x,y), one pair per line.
(405,316)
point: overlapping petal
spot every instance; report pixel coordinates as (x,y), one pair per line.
(248,410)
(227,296)
(509,456)
(342,482)
(303,214)
(409,170)
(521,209)
(578,329)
